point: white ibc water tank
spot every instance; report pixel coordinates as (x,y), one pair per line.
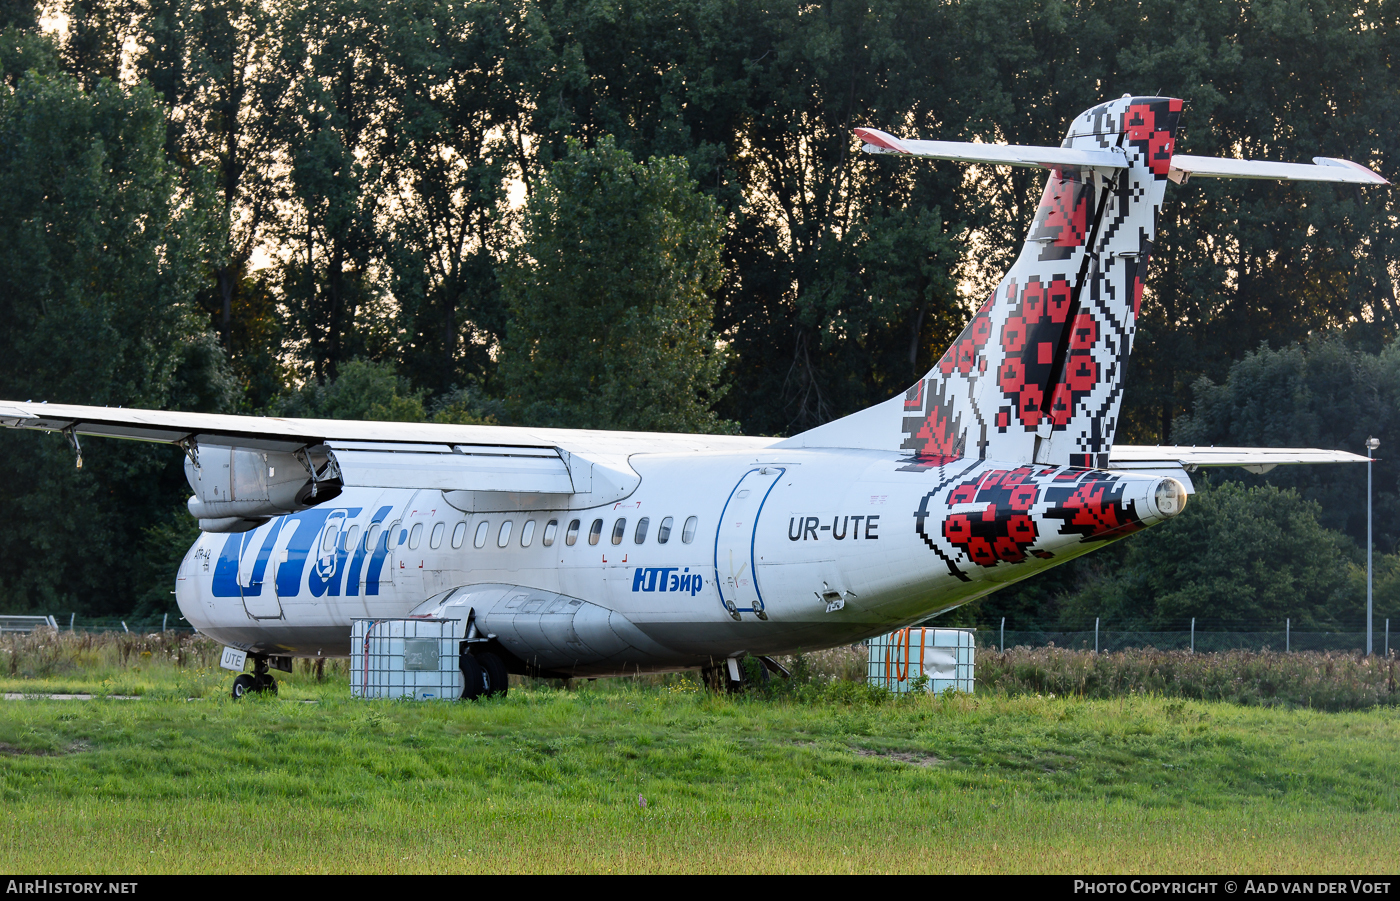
(946,656)
(406,658)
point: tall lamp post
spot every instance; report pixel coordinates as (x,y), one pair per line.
(1371,445)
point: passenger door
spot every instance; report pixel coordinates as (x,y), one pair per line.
(734,542)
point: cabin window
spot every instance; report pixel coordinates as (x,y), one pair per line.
(435,540)
(551,528)
(481,530)
(504,538)
(572,534)
(390,540)
(619,529)
(688,533)
(459,534)
(527,534)
(641,534)
(663,531)
(351,537)
(415,536)
(372,536)
(595,531)
(328,539)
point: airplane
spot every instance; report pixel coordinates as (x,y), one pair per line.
(578,553)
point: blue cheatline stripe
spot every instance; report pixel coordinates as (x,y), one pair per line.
(720,527)
(718,530)
(753,536)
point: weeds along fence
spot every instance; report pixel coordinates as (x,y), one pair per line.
(1324,680)
(45,653)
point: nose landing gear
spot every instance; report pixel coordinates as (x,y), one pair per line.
(259,681)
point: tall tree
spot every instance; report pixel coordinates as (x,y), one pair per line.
(457,103)
(333,196)
(1320,394)
(215,65)
(610,297)
(837,265)
(1236,559)
(99,263)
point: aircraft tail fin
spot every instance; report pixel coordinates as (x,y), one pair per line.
(1037,375)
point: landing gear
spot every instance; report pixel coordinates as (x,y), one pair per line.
(246,683)
(497,680)
(256,682)
(726,676)
(483,675)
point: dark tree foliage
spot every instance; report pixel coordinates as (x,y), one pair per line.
(1236,559)
(99,259)
(1321,394)
(840,288)
(610,294)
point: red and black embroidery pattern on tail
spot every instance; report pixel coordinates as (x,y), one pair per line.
(939,431)
(1150,126)
(1091,505)
(1030,339)
(1062,220)
(1003,529)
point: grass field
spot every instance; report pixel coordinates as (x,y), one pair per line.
(843,780)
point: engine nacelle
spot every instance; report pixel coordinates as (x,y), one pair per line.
(237,488)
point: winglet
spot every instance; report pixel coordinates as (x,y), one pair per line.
(877,141)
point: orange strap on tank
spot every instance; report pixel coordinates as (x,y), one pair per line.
(902,676)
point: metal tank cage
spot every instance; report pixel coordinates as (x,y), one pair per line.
(406,658)
(947,657)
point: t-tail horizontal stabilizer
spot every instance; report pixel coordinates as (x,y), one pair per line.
(1183,166)
(1037,376)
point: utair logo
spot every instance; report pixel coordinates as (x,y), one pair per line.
(667,578)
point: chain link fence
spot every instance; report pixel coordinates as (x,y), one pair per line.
(140,625)
(1106,640)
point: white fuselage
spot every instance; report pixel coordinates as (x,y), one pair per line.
(787,550)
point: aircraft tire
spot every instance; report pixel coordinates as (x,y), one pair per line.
(246,683)
(473,677)
(268,684)
(497,678)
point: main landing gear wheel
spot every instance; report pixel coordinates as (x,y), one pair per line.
(246,683)
(497,680)
(483,676)
(473,677)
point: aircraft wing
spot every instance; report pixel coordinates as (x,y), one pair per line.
(244,469)
(1183,166)
(276,433)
